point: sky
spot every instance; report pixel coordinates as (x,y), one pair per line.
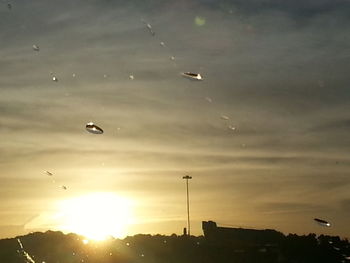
(277,69)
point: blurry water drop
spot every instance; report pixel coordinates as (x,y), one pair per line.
(199,21)
(172,58)
(105,75)
(150,29)
(131,77)
(20,243)
(208,99)
(162,44)
(128,244)
(24,253)
(36,48)
(193,76)
(224,117)
(64,187)
(55,79)
(110,254)
(9,6)
(92,128)
(142,255)
(322,222)
(48,173)
(232,128)
(73,75)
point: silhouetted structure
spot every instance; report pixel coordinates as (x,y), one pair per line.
(240,235)
(220,244)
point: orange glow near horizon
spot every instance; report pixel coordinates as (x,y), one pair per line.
(96,216)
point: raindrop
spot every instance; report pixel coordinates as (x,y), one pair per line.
(322,222)
(150,29)
(142,255)
(73,75)
(36,48)
(199,21)
(224,117)
(208,99)
(49,173)
(128,244)
(92,128)
(131,77)
(29,259)
(110,254)
(194,76)
(172,58)
(164,241)
(64,187)
(162,44)
(232,128)
(55,79)
(105,75)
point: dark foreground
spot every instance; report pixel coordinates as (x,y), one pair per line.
(55,247)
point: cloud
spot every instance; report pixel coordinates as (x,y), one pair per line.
(277,69)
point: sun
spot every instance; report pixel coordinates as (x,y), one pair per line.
(96,216)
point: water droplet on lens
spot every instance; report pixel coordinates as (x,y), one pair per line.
(36,48)
(322,222)
(208,99)
(224,117)
(92,128)
(162,44)
(131,77)
(199,21)
(55,79)
(193,76)
(48,173)
(232,128)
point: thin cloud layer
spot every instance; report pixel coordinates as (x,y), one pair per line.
(277,70)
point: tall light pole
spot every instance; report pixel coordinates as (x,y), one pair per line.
(187,177)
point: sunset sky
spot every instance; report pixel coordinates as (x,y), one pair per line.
(278,69)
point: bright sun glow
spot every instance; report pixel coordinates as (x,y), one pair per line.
(96,216)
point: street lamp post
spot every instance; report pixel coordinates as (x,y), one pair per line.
(187,177)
